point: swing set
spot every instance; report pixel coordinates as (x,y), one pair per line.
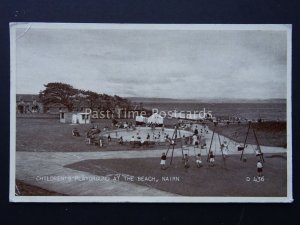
(258,151)
(184,148)
(222,143)
(210,151)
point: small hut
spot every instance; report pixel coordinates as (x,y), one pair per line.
(140,120)
(75,117)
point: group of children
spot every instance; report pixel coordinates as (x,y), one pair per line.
(185,159)
(199,162)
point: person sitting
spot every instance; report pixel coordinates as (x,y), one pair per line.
(121,141)
(257,152)
(132,140)
(75,132)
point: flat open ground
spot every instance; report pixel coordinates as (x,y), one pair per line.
(49,135)
(46,147)
(234,178)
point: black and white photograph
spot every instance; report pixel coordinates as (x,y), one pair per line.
(150,112)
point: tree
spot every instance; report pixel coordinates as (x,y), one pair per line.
(58,93)
(92,98)
(71,98)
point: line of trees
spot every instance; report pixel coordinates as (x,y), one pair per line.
(72,98)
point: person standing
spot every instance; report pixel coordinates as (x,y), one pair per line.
(163,159)
(196,131)
(259,166)
(186,161)
(195,139)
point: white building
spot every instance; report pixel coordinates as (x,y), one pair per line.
(153,119)
(75,117)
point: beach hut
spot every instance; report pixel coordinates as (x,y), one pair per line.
(140,120)
(65,117)
(75,117)
(81,118)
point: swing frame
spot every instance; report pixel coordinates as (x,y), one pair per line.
(174,137)
(211,141)
(261,156)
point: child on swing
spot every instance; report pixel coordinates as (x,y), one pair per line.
(198,161)
(211,159)
(186,161)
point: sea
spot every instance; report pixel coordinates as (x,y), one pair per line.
(251,111)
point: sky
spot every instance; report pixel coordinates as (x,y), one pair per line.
(182,64)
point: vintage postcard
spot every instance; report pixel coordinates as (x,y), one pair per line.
(150,113)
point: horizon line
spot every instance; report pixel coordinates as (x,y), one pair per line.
(194,99)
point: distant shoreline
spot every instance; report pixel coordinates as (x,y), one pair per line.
(207,100)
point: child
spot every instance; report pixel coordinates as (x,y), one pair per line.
(132,139)
(121,141)
(75,132)
(163,159)
(259,166)
(198,160)
(186,161)
(225,144)
(211,159)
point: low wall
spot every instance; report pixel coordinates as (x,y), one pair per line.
(37,115)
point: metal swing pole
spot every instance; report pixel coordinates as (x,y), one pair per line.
(172,139)
(180,142)
(174,134)
(172,154)
(221,149)
(258,146)
(249,125)
(211,142)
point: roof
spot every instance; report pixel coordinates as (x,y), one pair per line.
(81,113)
(155,115)
(27,97)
